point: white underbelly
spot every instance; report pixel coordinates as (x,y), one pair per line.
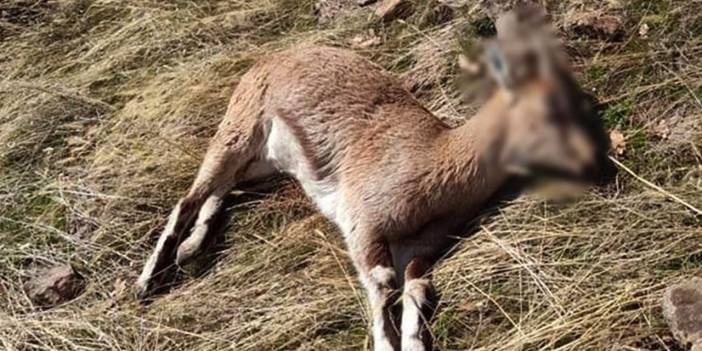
(283,150)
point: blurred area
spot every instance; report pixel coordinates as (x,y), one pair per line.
(106,108)
(551,128)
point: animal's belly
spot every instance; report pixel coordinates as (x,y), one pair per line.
(284,151)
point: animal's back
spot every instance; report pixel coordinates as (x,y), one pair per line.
(340,107)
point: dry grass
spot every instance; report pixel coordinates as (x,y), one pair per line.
(106,107)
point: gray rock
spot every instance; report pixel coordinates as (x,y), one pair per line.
(391,9)
(54,286)
(597,25)
(682,307)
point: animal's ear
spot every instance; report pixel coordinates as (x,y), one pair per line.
(521,20)
(497,65)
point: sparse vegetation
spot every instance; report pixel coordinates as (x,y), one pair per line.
(105,110)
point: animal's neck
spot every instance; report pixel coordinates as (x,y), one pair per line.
(470,153)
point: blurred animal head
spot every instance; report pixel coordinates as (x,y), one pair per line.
(550,127)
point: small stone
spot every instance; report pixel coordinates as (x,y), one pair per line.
(682,307)
(54,286)
(365,2)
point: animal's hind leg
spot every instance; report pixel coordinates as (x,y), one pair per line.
(418,303)
(192,244)
(373,261)
(226,163)
(210,185)
(255,171)
(414,258)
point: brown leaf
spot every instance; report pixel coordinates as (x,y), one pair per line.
(364,41)
(119,288)
(618,142)
(643,31)
(662,130)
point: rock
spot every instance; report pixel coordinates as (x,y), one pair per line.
(390,9)
(54,286)
(682,307)
(365,2)
(596,25)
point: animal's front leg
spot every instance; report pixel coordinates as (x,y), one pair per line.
(414,258)
(161,264)
(374,264)
(418,302)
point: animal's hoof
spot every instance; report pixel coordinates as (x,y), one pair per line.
(185,252)
(142,290)
(413,344)
(147,283)
(142,294)
(190,247)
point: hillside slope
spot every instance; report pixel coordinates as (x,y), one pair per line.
(106,107)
